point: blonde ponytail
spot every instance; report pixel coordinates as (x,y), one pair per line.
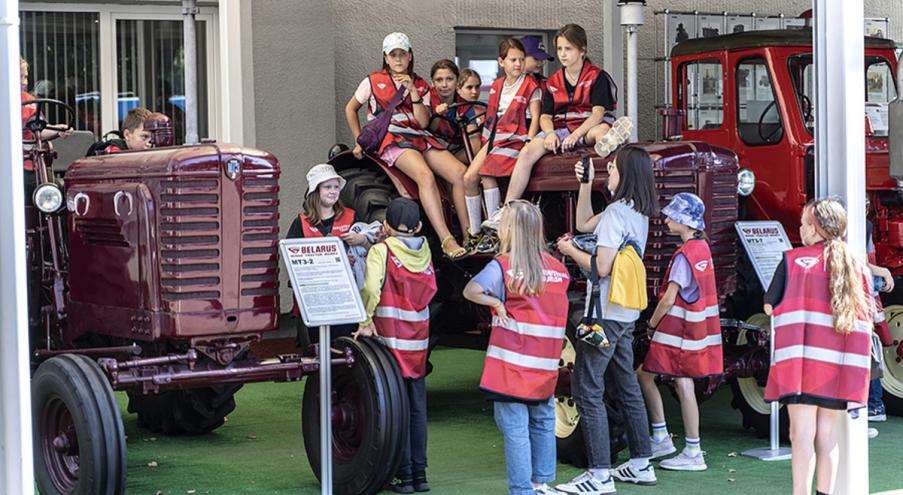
(848,296)
(522,238)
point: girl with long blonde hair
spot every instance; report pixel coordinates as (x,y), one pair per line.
(822,321)
(527,290)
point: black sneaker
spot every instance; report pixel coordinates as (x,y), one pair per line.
(401,486)
(420,483)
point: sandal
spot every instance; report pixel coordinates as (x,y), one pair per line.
(489,243)
(473,240)
(455,253)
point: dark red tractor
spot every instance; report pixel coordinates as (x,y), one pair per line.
(153,272)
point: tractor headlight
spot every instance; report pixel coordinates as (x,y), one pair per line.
(48,198)
(746,182)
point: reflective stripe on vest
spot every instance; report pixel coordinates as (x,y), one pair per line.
(684,344)
(404,344)
(523,354)
(694,316)
(404,129)
(803,317)
(403,314)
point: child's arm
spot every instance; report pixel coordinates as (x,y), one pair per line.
(592,121)
(664,305)
(586,221)
(884,273)
(351,109)
(605,257)
(475,293)
(374,275)
(535,109)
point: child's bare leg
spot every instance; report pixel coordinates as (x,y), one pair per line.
(827,455)
(596,132)
(802,448)
(653,397)
(412,163)
(523,169)
(689,409)
(461,155)
(445,165)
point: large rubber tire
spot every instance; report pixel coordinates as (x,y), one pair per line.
(370,419)
(73,403)
(368,192)
(569,440)
(892,381)
(184,412)
(749,396)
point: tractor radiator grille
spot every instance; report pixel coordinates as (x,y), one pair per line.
(260,238)
(100,232)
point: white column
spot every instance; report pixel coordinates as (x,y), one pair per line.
(16,470)
(613,47)
(840,170)
(230,76)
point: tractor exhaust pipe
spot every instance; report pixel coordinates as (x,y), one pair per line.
(895,130)
(189,42)
(631,20)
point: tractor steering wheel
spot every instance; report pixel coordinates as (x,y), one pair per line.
(760,127)
(37,122)
(462,121)
(807,108)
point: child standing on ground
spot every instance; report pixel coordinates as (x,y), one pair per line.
(398,286)
(822,319)
(511,98)
(685,329)
(527,290)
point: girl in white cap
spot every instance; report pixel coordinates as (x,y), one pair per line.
(408,145)
(323,215)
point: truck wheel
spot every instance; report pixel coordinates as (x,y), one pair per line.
(184,412)
(892,381)
(368,192)
(749,396)
(369,418)
(78,434)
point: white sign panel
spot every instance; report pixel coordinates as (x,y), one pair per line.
(322,281)
(765,243)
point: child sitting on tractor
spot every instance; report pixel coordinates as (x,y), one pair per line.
(444,124)
(133,135)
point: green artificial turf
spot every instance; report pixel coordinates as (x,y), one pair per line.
(260,450)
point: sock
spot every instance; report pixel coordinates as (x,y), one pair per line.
(493,200)
(659,432)
(639,462)
(693,448)
(600,474)
(474,212)
(537,486)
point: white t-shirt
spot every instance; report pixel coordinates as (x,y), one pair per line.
(509,92)
(364,94)
(619,223)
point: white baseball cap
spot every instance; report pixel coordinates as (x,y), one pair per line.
(319,174)
(396,40)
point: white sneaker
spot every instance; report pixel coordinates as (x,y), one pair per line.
(586,484)
(873,432)
(877,417)
(629,474)
(663,448)
(617,135)
(493,221)
(684,462)
(547,490)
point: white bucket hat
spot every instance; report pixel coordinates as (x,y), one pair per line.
(319,174)
(396,40)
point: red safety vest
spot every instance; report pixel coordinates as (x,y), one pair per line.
(522,357)
(402,317)
(687,341)
(449,134)
(511,131)
(404,130)
(28,112)
(341,225)
(810,357)
(571,111)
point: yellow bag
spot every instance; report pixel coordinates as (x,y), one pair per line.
(628,280)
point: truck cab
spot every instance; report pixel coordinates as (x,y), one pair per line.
(754,93)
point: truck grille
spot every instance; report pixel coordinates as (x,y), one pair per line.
(259,238)
(190,243)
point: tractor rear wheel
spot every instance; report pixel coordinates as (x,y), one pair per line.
(78,433)
(368,192)
(369,417)
(184,412)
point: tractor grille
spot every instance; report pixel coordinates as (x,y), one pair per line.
(259,238)
(190,243)
(100,232)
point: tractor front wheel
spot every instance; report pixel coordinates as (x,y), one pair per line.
(892,381)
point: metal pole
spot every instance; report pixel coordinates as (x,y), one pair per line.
(325,412)
(631,19)
(840,170)
(189,35)
(16,468)
(774,452)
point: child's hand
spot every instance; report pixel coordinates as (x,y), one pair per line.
(358,152)
(884,273)
(551,142)
(368,330)
(442,108)
(353,238)
(578,169)
(570,142)
(405,81)
(500,312)
(565,246)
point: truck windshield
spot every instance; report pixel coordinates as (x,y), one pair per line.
(880,89)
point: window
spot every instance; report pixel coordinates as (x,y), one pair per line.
(479,51)
(758,115)
(62,50)
(703,94)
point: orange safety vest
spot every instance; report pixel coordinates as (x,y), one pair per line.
(522,357)
(810,357)
(404,130)
(687,341)
(511,131)
(402,317)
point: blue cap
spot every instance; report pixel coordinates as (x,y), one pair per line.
(686,209)
(535,48)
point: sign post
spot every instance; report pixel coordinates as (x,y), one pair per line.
(327,295)
(765,243)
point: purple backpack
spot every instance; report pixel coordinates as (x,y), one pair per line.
(373,132)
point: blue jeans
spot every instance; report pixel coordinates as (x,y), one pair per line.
(876,394)
(529,433)
(413,453)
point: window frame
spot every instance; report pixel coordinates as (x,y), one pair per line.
(777,103)
(683,99)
